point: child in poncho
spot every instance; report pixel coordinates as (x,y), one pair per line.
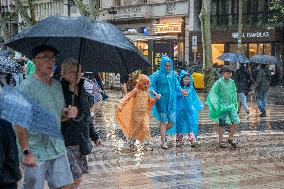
(134,109)
(223,106)
(188,108)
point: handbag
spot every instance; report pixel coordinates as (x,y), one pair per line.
(86,146)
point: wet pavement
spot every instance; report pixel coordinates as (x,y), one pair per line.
(257,163)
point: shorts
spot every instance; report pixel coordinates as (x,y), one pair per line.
(229,118)
(56,172)
(169,117)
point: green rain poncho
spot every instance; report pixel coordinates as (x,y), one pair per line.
(222,98)
(30,68)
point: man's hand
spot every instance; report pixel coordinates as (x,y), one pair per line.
(72,111)
(29,160)
(184,92)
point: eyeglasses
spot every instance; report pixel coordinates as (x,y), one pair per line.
(46,58)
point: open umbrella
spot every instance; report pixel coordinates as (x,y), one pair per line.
(9,66)
(234,57)
(23,110)
(263,59)
(98,46)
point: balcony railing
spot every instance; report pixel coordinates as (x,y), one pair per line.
(146,10)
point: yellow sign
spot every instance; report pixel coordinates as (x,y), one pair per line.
(168,28)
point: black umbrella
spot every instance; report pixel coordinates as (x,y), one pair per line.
(98,46)
(263,59)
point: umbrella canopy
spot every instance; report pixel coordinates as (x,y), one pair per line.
(4,54)
(9,66)
(263,59)
(99,46)
(24,111)
(234,57)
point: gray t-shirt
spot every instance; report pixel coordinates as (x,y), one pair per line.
(45,147)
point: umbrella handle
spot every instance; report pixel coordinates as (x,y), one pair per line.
(78,65)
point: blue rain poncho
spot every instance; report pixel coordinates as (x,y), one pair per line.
(187,110)
(165,83)
(222,98)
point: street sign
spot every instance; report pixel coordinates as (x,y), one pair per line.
(194,48)
(194,40)
(194,43)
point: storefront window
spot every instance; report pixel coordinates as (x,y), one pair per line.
(259,48)
(143,46)
(253,50)
(267,49)
(178,51)
(217,50)
(234,48)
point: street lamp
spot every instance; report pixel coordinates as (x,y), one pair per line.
(69,4)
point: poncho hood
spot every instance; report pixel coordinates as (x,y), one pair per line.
(141,81)
(182,74)
(164,60)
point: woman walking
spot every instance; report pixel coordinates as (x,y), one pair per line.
(165,82)
(77,131)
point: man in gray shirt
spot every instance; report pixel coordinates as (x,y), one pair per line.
(44,157)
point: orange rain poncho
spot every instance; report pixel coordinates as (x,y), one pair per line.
(133,111)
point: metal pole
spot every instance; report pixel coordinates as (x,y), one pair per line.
(68,8)
(240,27)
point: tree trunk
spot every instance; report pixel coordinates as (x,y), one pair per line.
(93,9)
(29,18)
(206,44)
(82,8)
(240,27)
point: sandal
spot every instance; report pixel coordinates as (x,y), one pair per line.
(164,146)
(194,145)
(233,144)
(222,144)
(147,148)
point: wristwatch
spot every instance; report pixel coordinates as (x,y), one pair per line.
(26,152)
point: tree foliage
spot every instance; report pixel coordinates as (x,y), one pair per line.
(276,16)
(90,10)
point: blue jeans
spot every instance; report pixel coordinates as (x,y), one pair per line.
(261,100)
(243,101)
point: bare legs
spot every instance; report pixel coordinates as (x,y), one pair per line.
(124,89)
(233,129)
(163,129)
(232,132)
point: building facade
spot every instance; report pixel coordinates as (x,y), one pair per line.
(257,38)
(156,27)
(9,21)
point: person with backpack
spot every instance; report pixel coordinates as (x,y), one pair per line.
(261,89)
(243,80)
